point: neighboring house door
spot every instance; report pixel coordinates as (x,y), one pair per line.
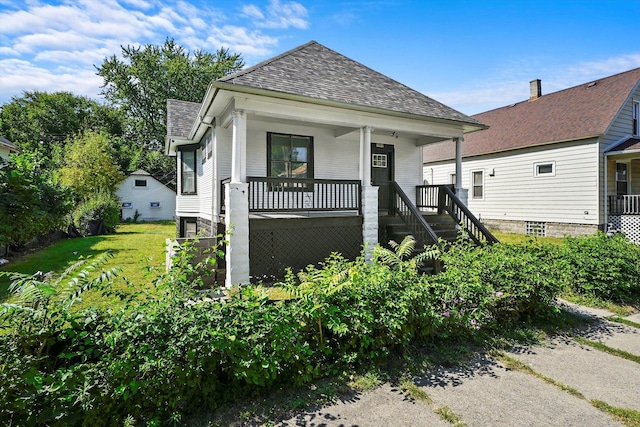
(382,161)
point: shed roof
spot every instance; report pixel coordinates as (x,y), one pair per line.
(315,71)
(580,112)
(10,145)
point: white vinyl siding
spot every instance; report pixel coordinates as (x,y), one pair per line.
(514,193)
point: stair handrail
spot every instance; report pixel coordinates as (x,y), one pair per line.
(409,214)
(463,216)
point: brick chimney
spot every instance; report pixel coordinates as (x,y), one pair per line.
(535,88)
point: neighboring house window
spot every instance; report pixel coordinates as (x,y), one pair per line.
(127,205)
(544,169)
(154,204)
(289,156)
(622,182)
(140,183)
(636,116)
(477,178)
(188,171)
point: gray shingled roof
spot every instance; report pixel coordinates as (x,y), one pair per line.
(315,71)
(4,141)
(180,117)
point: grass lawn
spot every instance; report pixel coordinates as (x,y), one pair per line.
(139,249)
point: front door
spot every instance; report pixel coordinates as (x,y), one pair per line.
(382,161)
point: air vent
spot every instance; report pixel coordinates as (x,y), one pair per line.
(592,84)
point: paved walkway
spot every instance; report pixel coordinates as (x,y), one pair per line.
(487,393)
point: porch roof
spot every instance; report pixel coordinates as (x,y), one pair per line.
(315,71)
(628,146)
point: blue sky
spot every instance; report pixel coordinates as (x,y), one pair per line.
(469,54)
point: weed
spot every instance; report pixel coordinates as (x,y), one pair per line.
(628,417)
(446,414)
(414,392)
(606,349)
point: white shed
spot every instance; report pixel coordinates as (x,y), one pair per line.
(151,199)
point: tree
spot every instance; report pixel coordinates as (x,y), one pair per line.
(32,202)
(43,122)
(90,165)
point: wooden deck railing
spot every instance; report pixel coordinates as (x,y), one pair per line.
(624,205)
(269,194)
(443,199)
(407,211)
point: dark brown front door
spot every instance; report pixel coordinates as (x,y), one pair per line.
(382,174)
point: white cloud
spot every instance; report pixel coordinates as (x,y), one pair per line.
(279,15)
(37,39)
(20,76)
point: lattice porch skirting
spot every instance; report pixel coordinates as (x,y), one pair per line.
(627,224)
(275,244)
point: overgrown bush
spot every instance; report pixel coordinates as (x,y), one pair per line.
(98,214)
(603,267)
(160,358)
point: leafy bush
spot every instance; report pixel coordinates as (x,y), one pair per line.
(102,208)
(602,266)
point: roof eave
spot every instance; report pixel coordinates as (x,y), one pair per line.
(467,126)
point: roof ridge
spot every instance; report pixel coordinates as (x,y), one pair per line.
(579,85)
(268,61)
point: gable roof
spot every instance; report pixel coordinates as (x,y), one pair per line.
(180,117)
(627,146)
(10,145)
(315,71)
(580,112)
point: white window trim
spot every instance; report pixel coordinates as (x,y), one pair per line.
(473,197)
(536,171)
(615,176)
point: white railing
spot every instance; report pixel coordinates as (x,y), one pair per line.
(624,205)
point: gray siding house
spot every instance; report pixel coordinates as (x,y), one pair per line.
(564,163)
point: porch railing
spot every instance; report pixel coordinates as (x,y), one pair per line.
(624,205)
(410,215)
(443,199)
(270,194)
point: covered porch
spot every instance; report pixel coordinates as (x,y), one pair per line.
(622,184)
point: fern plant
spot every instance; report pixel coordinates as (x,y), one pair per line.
(400,254)
(40,303)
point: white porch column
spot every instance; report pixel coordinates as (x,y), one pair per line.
(369,195)
(462,193)
(239,147)
(237,233)
(365,149)
(237,207)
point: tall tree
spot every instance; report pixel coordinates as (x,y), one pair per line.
(145,77)
(90,164)
(42,122)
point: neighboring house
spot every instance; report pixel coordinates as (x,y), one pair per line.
(6,148)
(301,155)
(566,163)
(145,198)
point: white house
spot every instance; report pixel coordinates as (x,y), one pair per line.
(302,155)
(6,148)
(565,163)
(145,198)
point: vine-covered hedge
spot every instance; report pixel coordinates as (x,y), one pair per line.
(159,358)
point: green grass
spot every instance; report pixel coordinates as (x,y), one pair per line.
(627,417)
(139,249)
(624,321)
(606,349)
(414,392)
(447,415)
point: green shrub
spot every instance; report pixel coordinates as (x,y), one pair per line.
(101,207)
(603,267)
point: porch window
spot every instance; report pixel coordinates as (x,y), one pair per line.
(452,179)
(188,227)
(636,116)
(289,156)
(188,171)
(622,183)
(477,178)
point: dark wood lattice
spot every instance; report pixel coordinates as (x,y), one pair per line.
(276,244)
